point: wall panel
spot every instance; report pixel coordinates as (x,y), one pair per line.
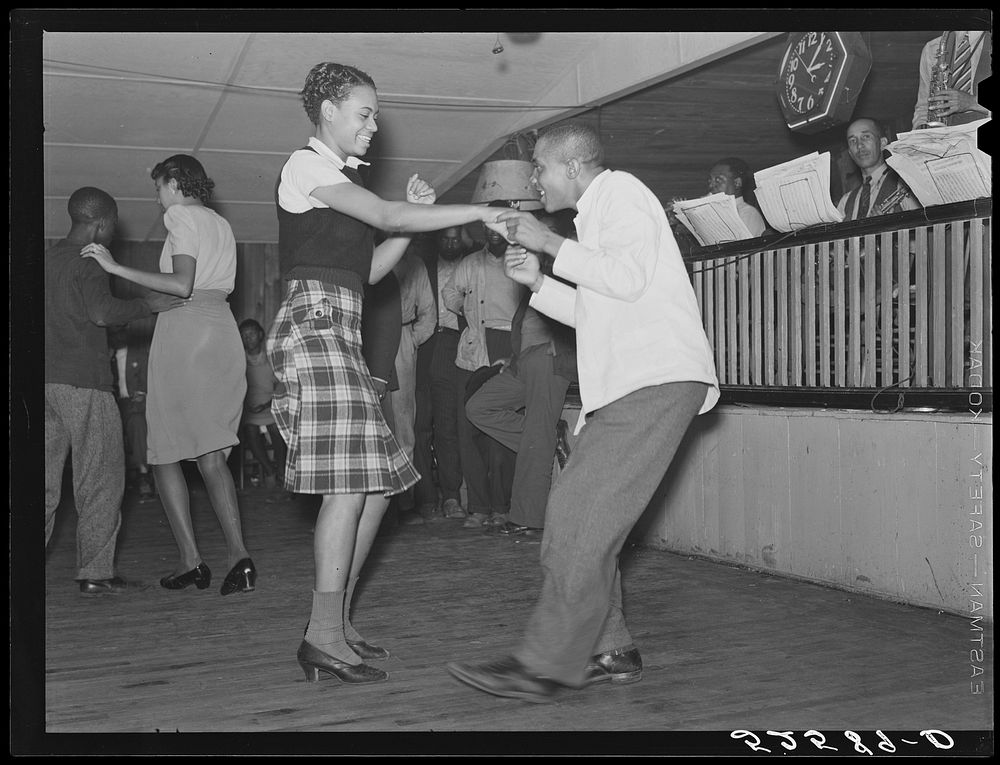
(882,504)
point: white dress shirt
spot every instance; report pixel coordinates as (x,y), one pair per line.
(636,317)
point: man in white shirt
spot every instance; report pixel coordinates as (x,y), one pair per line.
(645,369)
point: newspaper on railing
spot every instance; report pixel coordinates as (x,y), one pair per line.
(796,194)
(942,165)
(712,219)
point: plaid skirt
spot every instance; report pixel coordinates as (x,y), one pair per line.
(324,403)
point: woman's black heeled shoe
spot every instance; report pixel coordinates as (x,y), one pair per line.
(362,648)
(313,661)
(367,651)
(241,578)
(200,577)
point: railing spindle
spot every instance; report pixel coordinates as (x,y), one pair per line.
(768,325)
(731,320)
(854,314)
(938,317)
(840,316)
(921,340)
(795,316)
(885,309)
(757,336)
(905,291)
(956,316)
(745,320)
(781,338)
(720,319)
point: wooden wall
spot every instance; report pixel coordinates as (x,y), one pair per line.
(886,505)
(259,288)
(672,133)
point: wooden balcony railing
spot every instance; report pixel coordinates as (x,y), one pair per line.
(835,314)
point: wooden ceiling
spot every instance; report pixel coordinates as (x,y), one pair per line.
(671,134)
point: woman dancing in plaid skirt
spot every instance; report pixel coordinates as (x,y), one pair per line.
(325,403)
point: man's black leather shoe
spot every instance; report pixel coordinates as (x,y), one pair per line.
(506,677)
(511,529)
(114,586)
(620,666)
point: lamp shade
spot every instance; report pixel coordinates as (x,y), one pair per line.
(508,180)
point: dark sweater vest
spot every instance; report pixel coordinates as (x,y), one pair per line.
(325,244)
(887,188)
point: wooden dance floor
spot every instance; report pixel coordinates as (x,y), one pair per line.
(724,648)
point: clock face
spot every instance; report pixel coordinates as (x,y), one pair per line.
(808,70)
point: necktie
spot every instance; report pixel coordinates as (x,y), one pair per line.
(866,198)
(962,77)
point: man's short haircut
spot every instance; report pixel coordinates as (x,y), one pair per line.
(89,204)
(881,128)
(572,140)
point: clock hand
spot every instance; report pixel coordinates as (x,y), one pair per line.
(816,54)
(806,67)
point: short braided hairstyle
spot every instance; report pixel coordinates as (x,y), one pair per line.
(331,82)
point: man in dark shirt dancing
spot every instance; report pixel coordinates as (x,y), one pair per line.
(81,416)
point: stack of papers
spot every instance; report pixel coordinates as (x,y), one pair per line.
(712,219)
(942,165)
(796,194)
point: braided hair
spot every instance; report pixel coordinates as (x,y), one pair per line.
(191,177)
(331,82)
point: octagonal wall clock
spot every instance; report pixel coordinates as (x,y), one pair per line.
(820,78)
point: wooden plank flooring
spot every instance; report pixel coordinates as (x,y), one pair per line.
(724,648)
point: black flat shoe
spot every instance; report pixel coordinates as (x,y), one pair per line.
(199,576)
(241,578)
(313,661)
(367,650)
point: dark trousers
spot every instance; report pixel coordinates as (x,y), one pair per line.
(436,422)
(520,410)
(425,492)
(487,465)
(133,413)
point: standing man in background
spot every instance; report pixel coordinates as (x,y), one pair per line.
(487,300)
(437,400)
